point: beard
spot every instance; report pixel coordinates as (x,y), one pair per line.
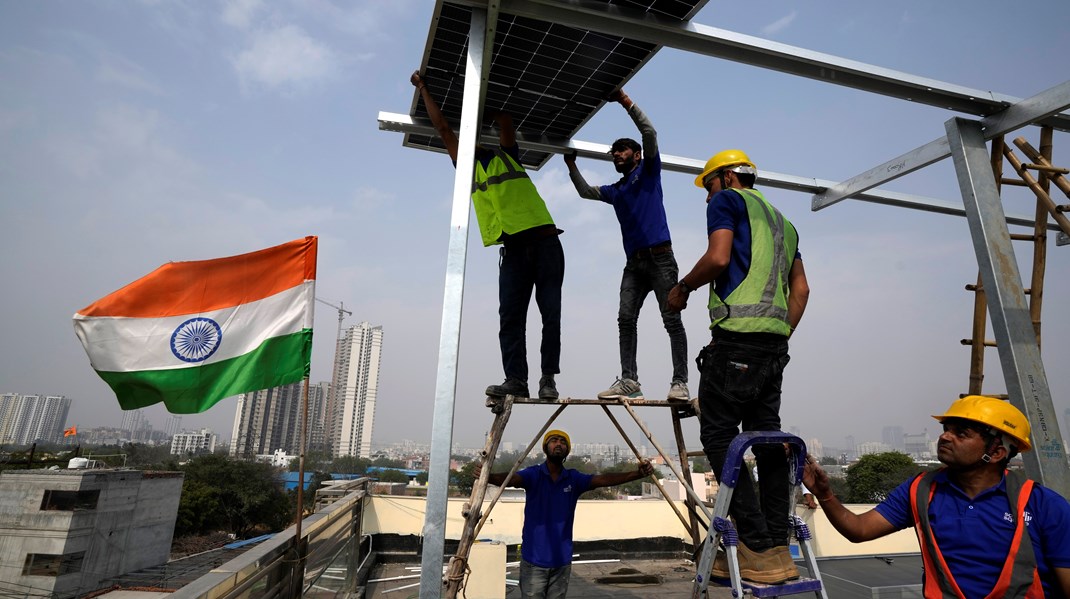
(624,167)
(557,459)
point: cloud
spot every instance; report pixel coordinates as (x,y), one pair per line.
(780,24)
(240,13)
(285,57)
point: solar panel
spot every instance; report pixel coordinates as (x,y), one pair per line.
(551,78)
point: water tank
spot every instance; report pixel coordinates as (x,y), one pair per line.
(78,463)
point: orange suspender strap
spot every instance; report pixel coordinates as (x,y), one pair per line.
(937,575)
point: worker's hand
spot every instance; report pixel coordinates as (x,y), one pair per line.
(416,80)
(477,470)
(815,478)
(645,468)
(617,95)
(570,158)
(809,501)
(677,299)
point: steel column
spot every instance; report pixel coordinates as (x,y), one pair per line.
(1023,369)
(434,531)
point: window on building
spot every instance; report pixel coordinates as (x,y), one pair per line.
(70,500)
(47,564)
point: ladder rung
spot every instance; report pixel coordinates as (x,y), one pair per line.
(696,454)
(970,342)
(1017,182)
(1047,169)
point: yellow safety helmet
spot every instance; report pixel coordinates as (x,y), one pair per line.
(556,433)
(996,413)
(723,159)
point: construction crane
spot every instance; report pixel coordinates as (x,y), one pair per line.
(341,315)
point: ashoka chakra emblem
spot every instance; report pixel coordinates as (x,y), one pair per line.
(196,339)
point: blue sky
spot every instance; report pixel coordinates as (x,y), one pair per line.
(134,133)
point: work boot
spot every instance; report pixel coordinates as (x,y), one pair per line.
(772,566)
(622,389)
(720,565)
(511,386)
(548,388)
(678,391)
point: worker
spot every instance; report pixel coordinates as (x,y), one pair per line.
(969,516)
(758,296)
(650,266)
(549,511)
(511,213)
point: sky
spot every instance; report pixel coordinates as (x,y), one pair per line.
(133,133)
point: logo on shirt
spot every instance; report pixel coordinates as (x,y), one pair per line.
(567,489)
(1008,517)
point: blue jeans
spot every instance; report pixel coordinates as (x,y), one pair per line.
(740,384)
(538,265)
(543,583)
(644,273)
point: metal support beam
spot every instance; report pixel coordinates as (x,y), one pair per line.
(1023,370)
(1023,113)
(614,19)
(403,123)
(434,531)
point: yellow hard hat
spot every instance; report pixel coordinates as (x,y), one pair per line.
(556,433)
(726,158)
(996,413)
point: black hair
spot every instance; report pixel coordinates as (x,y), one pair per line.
(746,179)
(626,142)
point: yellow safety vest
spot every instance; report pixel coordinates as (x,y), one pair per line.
(760,303)
(505,199)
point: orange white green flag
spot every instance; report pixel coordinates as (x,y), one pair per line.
(189,334)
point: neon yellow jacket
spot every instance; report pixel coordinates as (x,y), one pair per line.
(760,303)
(506,200)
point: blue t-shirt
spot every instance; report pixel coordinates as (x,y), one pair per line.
(639,203)
(728,210)
(549,513)
(975,535)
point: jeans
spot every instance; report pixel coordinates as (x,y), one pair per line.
(538,265)
(543,583)
(644,273)
(740,383)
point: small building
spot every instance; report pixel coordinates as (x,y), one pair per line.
(194,443)
(64,532)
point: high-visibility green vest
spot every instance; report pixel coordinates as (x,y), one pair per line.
(505,199)
(760,303)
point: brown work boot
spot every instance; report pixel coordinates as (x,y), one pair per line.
(720,565)
(772,566)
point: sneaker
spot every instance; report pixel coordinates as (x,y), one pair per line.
(622,389)
(511,386)
(547,387)
(678,391)
(772,566)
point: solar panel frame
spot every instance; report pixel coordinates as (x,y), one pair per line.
(550,78)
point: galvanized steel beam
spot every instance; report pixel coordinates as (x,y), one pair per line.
(438,479)
(1023,369)
(1025,112)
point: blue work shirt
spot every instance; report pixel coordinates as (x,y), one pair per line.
(549,513)
(640,206)
(728,210)
(975,535)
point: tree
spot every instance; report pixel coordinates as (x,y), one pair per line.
(421,478)
(349,464)
(235,496)
(827,460)
(465,478)
(700,465)
(392,476)
(387,463)
(873,476)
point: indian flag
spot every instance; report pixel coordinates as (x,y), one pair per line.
(192,333)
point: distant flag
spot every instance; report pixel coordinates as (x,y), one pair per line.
(70,432)
(189,334)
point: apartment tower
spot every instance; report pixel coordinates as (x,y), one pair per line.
(354,389)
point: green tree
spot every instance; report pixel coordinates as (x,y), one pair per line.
(349,464)
(700,465)
(421,478)
(465,477)
(392,476)
(873,476)
(388,463)
(827,460)
(235,496)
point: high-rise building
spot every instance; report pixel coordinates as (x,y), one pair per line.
(892,436)
(174,424)
(193,443)
(354,389)
(25,419)
(270,419)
